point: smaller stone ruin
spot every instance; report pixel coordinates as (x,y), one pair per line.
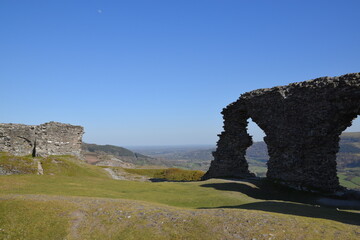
(52,138)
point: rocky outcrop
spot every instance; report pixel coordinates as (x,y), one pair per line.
(302,122)
(51,138)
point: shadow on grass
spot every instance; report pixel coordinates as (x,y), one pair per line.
(295,201)
(157,180)
(167,180)
(302,210)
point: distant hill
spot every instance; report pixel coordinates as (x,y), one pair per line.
(111,149)
(110,155)
(349,152)
(257,155)
(348,157)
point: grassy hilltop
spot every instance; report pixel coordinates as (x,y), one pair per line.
(75,200)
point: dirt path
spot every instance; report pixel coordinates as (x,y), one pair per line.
(40,170)
(120,174)
(114,175)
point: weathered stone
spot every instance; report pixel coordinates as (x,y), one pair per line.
(302,122)
(51,138)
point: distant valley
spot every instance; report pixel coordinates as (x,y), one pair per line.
(199,157)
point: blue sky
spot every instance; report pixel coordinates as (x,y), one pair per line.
(159,72)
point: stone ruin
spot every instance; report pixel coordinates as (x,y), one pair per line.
(50,138)
(302,122)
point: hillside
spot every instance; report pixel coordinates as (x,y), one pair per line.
(198,158)
(109,155)
(348,156)
(75,200)
(349,153)
(111,149)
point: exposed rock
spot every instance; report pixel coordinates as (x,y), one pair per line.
(302,122)
(114,162)
(51,138)
(120,174)
(3,171)
(113,174)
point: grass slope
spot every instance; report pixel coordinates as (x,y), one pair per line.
(99,218)
(170,174)
(73,200)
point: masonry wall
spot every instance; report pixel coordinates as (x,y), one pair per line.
(51,138)
(302,122)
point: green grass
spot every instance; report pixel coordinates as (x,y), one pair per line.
(56,214)
(65,175)
(18,164)
(170,174)
(259,171)
(190,195)
(43,217)
(349,181)
(54,165)
(73,200)
(356,180)
(21,219)
(145,172)
(70,166)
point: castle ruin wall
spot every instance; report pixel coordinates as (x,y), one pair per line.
(302,122)
(52,138)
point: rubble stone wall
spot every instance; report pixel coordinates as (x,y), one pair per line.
(302,122)
(50,138)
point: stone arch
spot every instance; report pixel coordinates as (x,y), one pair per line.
(302,122)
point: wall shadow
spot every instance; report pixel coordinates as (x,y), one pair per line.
(265,190)
(302,210)
(297,203)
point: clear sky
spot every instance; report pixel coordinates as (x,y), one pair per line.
(160,72)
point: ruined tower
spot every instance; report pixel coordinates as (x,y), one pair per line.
(302,122)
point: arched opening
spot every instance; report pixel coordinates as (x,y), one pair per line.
(257,154)
(348,157)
